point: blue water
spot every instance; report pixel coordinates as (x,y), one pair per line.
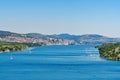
(58,63)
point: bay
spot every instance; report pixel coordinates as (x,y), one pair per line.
(80,62)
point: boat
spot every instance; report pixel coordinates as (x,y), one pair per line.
(11,57)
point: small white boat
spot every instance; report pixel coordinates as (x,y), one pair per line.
(11,58)
(91,55)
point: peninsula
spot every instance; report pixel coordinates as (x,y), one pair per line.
(11,47)
(110,51)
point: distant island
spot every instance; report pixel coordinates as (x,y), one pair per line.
(110,51)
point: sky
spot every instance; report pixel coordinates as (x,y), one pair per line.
(61,16)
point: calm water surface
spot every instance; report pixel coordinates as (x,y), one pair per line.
(58,63)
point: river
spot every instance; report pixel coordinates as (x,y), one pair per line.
(80,62)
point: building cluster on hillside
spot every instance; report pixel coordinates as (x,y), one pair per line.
(20,39)
(53,41)
(50,41)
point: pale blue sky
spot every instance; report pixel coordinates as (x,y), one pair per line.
(61,16)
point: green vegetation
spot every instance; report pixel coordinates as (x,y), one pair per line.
(110,51)
(7,47)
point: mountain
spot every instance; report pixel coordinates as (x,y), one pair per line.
(7,36)
(89,38)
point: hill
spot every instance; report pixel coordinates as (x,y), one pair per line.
(89,38)
(59,39)
(7,33)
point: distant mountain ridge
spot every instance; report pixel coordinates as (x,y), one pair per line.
(58,38)
(8,33)
(89,38)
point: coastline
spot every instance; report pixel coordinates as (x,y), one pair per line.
(110,51)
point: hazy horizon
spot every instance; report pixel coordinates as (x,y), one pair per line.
(75,17)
